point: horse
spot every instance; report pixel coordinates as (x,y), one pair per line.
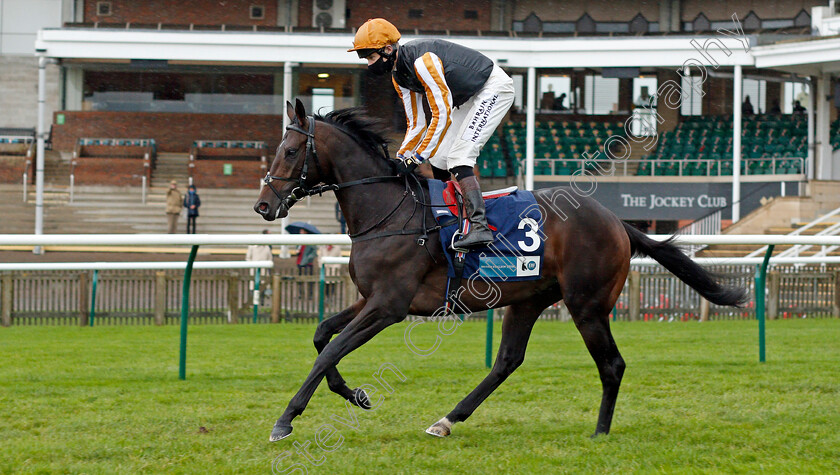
(399,272)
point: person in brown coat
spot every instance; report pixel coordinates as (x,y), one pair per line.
(173,205)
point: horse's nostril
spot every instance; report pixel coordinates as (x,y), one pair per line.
(263,207)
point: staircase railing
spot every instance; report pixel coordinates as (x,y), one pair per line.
(709,224)
(830,231)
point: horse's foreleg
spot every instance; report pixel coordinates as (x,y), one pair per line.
(595,330)
(516,330)
(373,318)
(323,334)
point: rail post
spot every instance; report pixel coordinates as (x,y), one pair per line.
(84,300)
(275,298)
(185,311)
(774,285)
(836,301)
(635,295)
(760,291)
(160,298)
(704,309)
(233,298)
(321,285)
(7,300)
(488,347)
(93,298)
(256,292)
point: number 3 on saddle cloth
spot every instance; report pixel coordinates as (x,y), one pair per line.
(517,249)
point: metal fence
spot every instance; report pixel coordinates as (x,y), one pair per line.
(225,296)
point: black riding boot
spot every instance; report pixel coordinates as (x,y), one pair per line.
(479,234)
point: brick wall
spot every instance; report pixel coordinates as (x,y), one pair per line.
(182,12)
(11,169)
(599,10)
(208,173)
(172,132)
(440,15)
(765,9)
(108,171)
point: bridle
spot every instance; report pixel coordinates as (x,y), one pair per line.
(301,190)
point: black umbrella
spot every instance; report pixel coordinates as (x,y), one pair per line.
(295,228)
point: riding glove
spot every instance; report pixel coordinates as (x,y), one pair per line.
(407,164)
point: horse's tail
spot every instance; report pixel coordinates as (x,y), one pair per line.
(673,259)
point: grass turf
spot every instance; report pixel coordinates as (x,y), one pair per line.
(694,399)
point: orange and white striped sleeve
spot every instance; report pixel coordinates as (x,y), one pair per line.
(429,70)
(414,117)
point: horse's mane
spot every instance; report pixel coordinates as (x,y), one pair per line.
(364,129)
(367,131)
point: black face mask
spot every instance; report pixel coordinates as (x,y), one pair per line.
(381,67)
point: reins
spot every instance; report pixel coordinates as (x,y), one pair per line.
(302,190)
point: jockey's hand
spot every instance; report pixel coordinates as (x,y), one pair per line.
(407,163)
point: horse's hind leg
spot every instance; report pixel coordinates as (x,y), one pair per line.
(516,330)
(592,320)
(323,335)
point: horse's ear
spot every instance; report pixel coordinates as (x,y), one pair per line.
(300,112)
(290,111)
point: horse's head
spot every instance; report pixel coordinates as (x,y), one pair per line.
(296,166)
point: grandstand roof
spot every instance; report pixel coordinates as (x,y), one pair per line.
(812,56)
(330,48)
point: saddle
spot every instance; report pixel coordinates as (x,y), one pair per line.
(514,255)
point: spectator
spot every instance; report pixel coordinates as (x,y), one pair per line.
(306,257)
(339,216)
(775,110)
(797,108)
(747,107)
(260,252)
(173,206)
(558,103)
(644,100)
(192,202)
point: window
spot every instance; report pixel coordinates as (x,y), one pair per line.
(601,95)
(794,92)
(555,92)
(643,123)
(471,14)
(415,13)
(257,12)
(692,95)
(103,8)
(757,92)
(323,99)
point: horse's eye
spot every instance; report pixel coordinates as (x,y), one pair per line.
(291,152)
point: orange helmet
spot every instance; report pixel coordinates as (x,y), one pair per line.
(373,35)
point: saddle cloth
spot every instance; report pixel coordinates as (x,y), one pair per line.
(513,215)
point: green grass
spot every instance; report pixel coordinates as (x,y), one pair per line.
(694,399)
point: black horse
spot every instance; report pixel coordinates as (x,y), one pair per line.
(587,257)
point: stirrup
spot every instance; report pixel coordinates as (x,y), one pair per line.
(453,246)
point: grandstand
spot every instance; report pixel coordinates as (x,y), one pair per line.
(208,96)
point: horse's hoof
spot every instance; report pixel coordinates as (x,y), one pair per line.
(280,432)
(361,399)
(441,428)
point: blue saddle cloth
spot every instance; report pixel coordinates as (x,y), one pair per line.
(516,253)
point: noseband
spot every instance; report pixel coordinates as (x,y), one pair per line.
(301,190)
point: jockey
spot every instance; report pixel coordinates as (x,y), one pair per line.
(468,96)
